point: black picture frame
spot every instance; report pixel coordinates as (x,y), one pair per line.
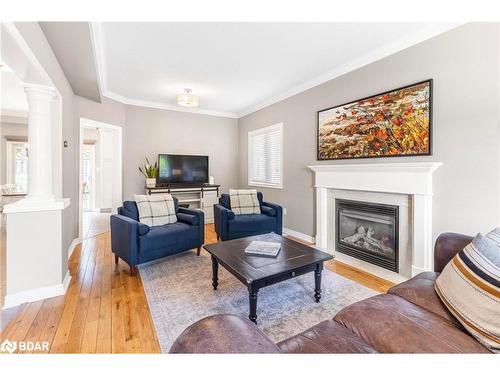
(429,81)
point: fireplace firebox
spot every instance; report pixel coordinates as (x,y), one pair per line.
(368,231)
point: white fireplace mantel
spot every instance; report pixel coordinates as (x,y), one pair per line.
(413,179)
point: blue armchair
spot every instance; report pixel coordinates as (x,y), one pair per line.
(230,226)
(136,243)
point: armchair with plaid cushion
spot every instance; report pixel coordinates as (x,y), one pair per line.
(136,243)
(230,226)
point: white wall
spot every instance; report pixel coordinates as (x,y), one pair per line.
(464,64)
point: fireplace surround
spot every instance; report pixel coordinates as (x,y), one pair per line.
(368,231)
(406,184)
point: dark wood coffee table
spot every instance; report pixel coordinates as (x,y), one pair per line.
(256,272)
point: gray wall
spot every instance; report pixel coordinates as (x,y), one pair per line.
(464,65)
(150,132)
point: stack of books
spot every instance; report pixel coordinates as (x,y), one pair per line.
(263,248)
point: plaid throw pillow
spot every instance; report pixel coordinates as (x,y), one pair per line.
(156,209)
(470,287)
(244,202)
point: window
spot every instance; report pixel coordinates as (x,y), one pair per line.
(265,157)
(17,165)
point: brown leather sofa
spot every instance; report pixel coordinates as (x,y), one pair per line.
(410,318)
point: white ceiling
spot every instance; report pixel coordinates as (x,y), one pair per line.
(79,63)
(13,97)
(237,68)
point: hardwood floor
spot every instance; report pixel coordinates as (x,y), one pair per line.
(105,309)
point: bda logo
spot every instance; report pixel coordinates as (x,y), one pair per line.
(8,346)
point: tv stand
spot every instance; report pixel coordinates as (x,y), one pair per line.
(198,196)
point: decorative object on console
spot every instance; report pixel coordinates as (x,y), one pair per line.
(469,286)
(393,123)
(150,172)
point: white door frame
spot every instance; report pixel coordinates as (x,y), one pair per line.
(97,124)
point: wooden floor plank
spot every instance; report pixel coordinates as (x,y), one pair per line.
(72,297)
(89,339)
(118,344)
(25,321)
(105,310)
(104,326)
(37,327)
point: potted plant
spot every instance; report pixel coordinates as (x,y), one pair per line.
(150,172)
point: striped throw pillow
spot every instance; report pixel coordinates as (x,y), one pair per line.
(469,286)
(156,209)
(244,202)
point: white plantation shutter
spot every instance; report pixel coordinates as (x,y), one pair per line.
(265,156)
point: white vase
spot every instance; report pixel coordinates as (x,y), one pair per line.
(150,182)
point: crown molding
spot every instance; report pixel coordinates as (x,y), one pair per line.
(97,42)
(378,54)
(168,107)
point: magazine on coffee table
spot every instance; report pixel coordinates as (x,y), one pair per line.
(263,248)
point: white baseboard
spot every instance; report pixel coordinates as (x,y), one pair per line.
(370,268)
(299,235)
(32,295)
(72,246)
(416,270)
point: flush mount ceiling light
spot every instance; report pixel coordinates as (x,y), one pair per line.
(187,99)
(4,67)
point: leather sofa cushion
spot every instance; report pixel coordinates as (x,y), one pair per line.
(251,223)
(419,290)
(223,334)
(391,324)
(325,337)
(174,235)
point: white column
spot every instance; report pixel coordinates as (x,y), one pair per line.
(423,251)
(40,182)
(322,218)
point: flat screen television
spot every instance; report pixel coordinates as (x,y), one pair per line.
(182,169)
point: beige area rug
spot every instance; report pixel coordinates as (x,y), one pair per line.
(179,292)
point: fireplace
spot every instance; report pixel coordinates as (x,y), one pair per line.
(368,231)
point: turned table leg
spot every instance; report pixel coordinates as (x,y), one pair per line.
(215,273)
(317,282)
(252,298)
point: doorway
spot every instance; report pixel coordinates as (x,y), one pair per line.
(100,175)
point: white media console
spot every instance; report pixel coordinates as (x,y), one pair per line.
(197,197)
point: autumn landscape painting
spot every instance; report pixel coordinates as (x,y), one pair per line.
(395,123)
